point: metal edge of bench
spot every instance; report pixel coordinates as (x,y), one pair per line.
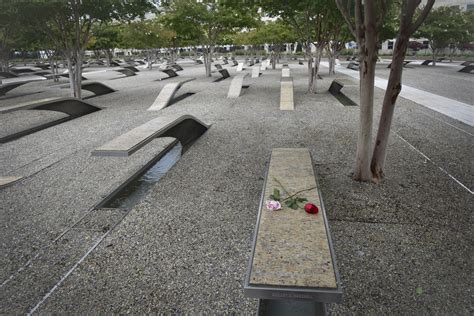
(325,295)
(127,153)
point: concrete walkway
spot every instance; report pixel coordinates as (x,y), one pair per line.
(457,110)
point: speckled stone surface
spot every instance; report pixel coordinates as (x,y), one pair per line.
(286,95)
(291,246)
(236,86)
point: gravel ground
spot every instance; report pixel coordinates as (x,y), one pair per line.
(403,247)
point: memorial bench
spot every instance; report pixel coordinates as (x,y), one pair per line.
(98,88)
(166,94)
(71,106)
(132,68)
(170,72)
(162,126)
(8,180)
(286,94)
(292,267)
(467,69)
(353,65)
(127,72)
(8,74)
(335,90)
(467,63)
(12,83)
(235,87)
(405,63)
(218,66)
(427,62)
(177,67)
(256,72)
(224,73)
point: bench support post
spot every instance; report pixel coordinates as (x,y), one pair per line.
(282,308)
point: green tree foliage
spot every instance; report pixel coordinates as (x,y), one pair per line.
(206,22)
(68,24)
(446,26)
(312,23)
(105,37)
(148,35)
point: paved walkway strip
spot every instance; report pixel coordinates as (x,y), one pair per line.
(457,110)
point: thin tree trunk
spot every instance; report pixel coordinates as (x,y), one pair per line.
(207,53)
(367,72)
(311,70)
(71,76)
(393,90)
(78,77)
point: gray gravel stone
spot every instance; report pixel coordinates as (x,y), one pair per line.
(185,247)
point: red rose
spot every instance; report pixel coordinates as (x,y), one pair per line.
(310,208)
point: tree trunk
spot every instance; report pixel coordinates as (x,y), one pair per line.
(394,87)
(149,65)
(311,70)
(71,76)
(78,76)
(367,61)
(207,53)
(108,53)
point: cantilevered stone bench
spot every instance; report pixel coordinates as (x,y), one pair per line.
(218,66)
(7,74)
(97,88)
(199,62)
(285,72)
(12,83)
(286,94)
(8,180)
(405,63)
(170,126)
(23,70)
(466,63)
(335,90)
(240,67)
(166,94)
(224,73)
(467,69)
(234,63)
(255,71)
(132,68)
(127,72)
(292,265)
(170,72)
(236,86)
(177,67)
(353,65)
(70,106)
(427,62)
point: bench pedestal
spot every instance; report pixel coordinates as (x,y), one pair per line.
(283,308)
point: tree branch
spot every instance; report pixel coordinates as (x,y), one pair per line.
(422,16)
(347,16)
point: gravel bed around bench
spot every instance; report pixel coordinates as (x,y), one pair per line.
(402,247)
